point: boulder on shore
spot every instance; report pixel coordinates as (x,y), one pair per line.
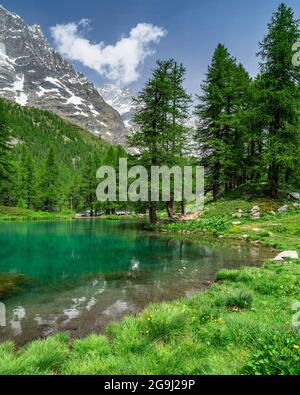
(286,254)
(283,209)
(237,215)
(295,195)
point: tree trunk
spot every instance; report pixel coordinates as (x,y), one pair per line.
(288,174)
(152,213)
(273,180)
(169,207)
(183,207)
(216,181)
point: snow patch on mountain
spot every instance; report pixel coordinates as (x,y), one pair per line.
(121,99)
(18,87)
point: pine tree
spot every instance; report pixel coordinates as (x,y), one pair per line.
(26,180)
(50,183)
(177,136)
(221,113)
(4,153)
(89,184)
(151,122)
(161,135)
(236,141)
(73,195)
(279,97)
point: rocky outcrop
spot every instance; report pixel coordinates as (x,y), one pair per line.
(33,74)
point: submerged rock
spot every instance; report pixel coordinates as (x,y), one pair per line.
(11,284)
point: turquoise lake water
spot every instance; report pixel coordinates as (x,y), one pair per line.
(86,273)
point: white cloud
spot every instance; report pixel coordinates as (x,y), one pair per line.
(119,62)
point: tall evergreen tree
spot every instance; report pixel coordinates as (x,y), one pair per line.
(161,134)
(151,122)
(50,183)
(279,87)
(221,113)
(26,180)
(73,196)
(89,184)
(4,152)
(177,133)
(253,167)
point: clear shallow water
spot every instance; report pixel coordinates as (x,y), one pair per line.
(86,273)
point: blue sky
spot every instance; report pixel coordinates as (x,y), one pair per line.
(194,28)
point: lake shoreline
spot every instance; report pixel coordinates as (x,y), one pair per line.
(230,322)
(83,273)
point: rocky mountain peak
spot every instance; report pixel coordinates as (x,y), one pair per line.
(32,73)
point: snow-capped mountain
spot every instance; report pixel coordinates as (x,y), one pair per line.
(33,74)
(121,99)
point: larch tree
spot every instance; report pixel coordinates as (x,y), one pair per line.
(177,133)
(279,97)
(220,127)
(151,120)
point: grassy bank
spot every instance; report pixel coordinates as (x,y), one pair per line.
(241,325)
(272,229)
(19,214)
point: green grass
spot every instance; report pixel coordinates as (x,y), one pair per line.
(19,214)
(280,231)
(241,325)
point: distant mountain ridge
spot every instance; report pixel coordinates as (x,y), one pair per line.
(33,74)
(121,99)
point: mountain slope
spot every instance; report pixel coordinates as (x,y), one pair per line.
(39,131)
(121,99)
(33,74)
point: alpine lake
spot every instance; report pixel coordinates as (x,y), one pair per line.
(82,274)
